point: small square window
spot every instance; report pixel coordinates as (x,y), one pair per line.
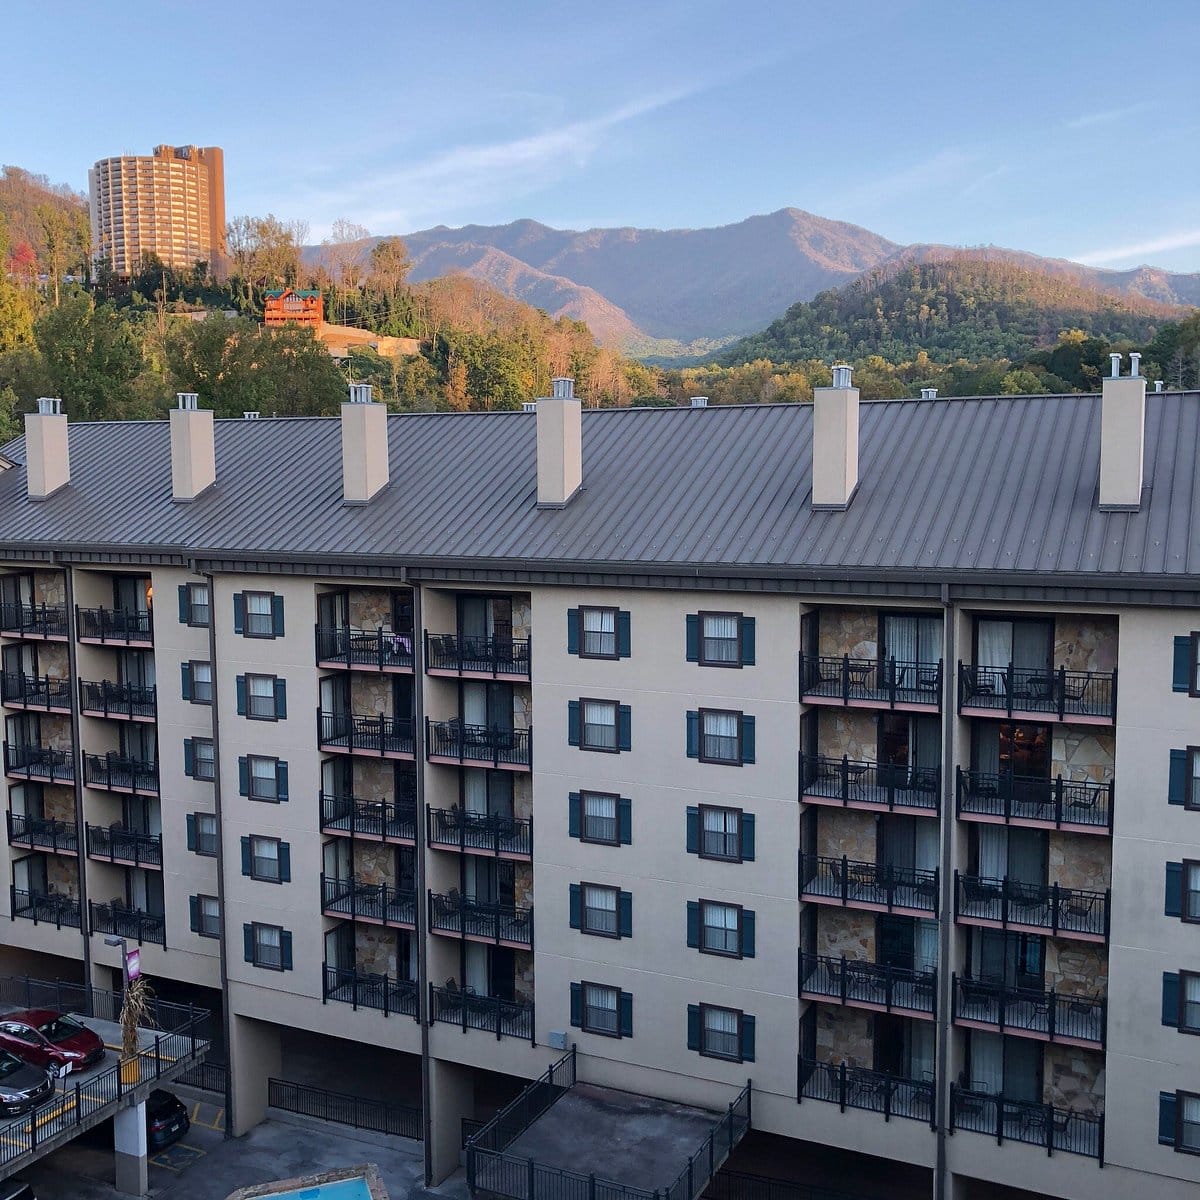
(720,639)
(720,928)
(1191,795)
(206,834)
(260,697)
(600,910)
(600,1009)
(721,833)
(598,632)
(208,912)
(264,859)
(1191,890)
(1187,1133)
(260,615)
(720,736)
(721,1032)
(202,682)
(599,725)
(599,811)
(204,764)
(268,946)
(264,777)
(1189,1001)
(198,611)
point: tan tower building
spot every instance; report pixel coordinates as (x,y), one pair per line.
(170,203)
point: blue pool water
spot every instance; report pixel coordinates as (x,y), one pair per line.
(343,1189)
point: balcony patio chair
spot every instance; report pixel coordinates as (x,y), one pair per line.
(927,679)
(982,891)
(1039,689)
(1079,908)
(975,993)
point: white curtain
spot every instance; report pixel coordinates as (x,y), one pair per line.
(920,1049)
(599,719)
(925,742)
(995,643)
(475,791)
(993,851)
(720,638)
(410,942)
(599,631)
(987,748)
(1190,1120)
(474,703)
(925,947)
(926,844)
(912,639)
(475,973)
(601,905)
(987,1061)
(720,1028)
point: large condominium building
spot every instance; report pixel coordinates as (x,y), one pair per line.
(170,203)
(845,754)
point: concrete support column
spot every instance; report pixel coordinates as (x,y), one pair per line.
(254,1057)
(129,1150)
(451,1097)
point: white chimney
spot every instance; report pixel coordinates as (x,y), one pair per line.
(929,393)
(193,454)
(529,406)
(1158,385)
(250,416)
(559,446)
(1122,438)
(835,441)
(1135,364)
(365,470)
(699,401)
(47,457)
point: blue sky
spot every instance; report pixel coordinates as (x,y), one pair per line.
(1064,128)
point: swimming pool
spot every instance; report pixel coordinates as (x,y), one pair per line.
(341,1189)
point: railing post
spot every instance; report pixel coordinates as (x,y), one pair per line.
(845,879)
(1054,894)
(1058,801)
(845,679)
(891,680)
(530,1178)
(842,1087)
(1008,691)
(1049,1130)
(1062,692)
(845,773)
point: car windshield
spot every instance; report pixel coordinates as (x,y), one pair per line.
(8,1064)
(60,1029)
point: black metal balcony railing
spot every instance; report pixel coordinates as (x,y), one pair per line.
(123,625)
(377,648)
(504,1018)
(479,743)
(108,699)
(39,763)
(1055,801)
(887,681)
(848,781)
(40,620)
(35,691)
(115,772)
(124,846)
(42,833)
(1040,906)
(858,1087)
(851,981)
(367,989)
(47,908)
(369,818)
(878,884)
(1050,1014)
(378,734)
(1059,693)
(488,833)
(132,923)
(479,655)
(370,901)
(458,915)
(1024,1121)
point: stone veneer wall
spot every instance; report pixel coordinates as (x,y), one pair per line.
(522,706)
(1079,860)
(370,694)
(847,732)
(49,587)
(846,831)
(1073,1078)
(374,863)
(523,975)
(58,803)
(843,931)
(844,1035)
(62,875)
(52,660)
(1081,754)
(1076,968)
(56,732)
(1085,643)
(522,795)
(377,950)
(522,616)
(852,631)
(374,779)
(370,608)
(522,884)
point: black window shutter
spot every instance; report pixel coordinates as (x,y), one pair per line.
(575,896)
(240,681)
(625,1008)
(747,739)
(247,864)
(693,637)
(572,631)
(281,699)
(623,637)
(285,948)
(624,727)
(693,924)
(189,757)
(191,831)
(281,781)
(747,1038)
(747,933)
(747,641)
(693,830)
(1177,785)
(185,608)
(573,722)
(1173,900)
(1167,1104)
(625,914)
(185,676)
(1181,676)
(243,776)
(577,1004)
(624,820)
(574,815)
(1170,998)
(285,862)
(693,1026)
(277,616)
(693,734)
(747,832)
(194,913)
(239,613)
(248,941)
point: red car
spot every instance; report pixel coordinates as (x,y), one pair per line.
(50,1040)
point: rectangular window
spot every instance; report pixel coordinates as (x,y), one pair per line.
(195,605)
(599,817)
(264,777)
(203,760)
(1187,1135)
(599,730)
(600,1009)
(1191,890)
(598,627)
(1189,1002)
(260,697)
(720,1032)
(264,859)
(1191,796)
(720,640)
(600,910)
(720,928)
(206,834)
(721,833)
(202,682)
(268,946)
(208,916)
(720,736)
(260,614)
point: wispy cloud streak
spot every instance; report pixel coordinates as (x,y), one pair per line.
(1137,251)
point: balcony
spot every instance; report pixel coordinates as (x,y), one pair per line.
(124,847)
(869,985)
(374,820)
(476,657)
(42,833)
(365,989)
(877,887)
(45,908)
(124,701)
(504,1018)
(380,736)
(45,622)
(1048,1016)
(503,924)
(375,903)
(116,773)
(858,1087)
(871,683)
(876,787)
(1024,1121)
(116,920)
(1025,694)
(346,648)
(478,745)
(480,833)
(35,693)
(1031,907)
(39,764)
(1077,805)
(114,626)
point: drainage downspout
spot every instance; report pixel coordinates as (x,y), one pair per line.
(423,1013)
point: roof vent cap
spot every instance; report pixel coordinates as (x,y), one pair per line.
(564,387)
(699,401)
(529,406)
(1135,364)
(929,393)
(1115,359)
(251,416)
(49,406)
(360,393)
(841,375)
(187,401)
(1158,385)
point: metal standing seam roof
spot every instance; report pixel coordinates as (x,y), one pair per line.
(1004,484)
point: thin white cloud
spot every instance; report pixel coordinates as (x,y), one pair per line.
(1137,251)
(1107,116)
(981,181)
(933,171)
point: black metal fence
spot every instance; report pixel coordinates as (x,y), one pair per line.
(378,734)
(379,648)
(116,772)
(132,923)
(714,1150)
(374,901)
(1051,1013)
(39,763)
(123,625)
(42,833)
(1059,693)
(23,991)
(42,620)
(1039,906)
(109,699)
(207,1076)
(479,655)
(878,680)
(856,982)
(369,989)
(453,913)
(369,818)
(737,1185)
(492,833)
(859,1087)
(124,846)
(49,908)
(379,1116)
(851,882)
(901,788)
(479,743)
(451,1005)
(35,691)
(1055,801)
(1023,1121)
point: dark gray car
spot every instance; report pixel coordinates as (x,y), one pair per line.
(22,1085)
